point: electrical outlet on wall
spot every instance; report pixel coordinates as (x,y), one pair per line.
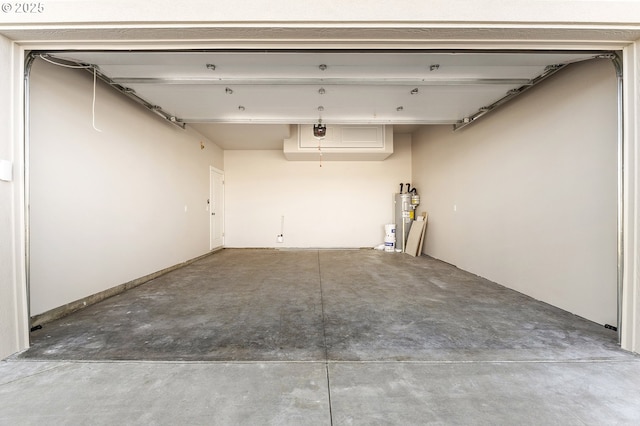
(280,237)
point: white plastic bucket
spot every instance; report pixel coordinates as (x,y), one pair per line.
(390,243)
(390,229)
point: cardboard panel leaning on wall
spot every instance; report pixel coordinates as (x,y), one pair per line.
(526,197)
(112,205)
(341,204)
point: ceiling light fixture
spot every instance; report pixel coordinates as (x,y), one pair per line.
(400,108)
(228,91)
(211,67)
(322,91)
(434,67)
(241,108)
(414,91)
(322,67)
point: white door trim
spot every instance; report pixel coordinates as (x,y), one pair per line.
(216,208)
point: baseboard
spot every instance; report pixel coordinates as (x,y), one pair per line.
(77,305)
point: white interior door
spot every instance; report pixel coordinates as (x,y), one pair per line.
(216,208)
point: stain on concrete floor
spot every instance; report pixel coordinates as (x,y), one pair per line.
(319,305)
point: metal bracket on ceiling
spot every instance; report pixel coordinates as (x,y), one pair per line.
(616,59)
(128,92)
(548,72)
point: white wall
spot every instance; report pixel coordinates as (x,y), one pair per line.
(108,207)
(7,291)
(341,204)
(438,11)
(534,190)
(13,333)
(630,333)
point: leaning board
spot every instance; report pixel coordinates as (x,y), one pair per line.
(415,237)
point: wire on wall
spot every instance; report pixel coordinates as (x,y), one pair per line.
(77,66)
(95,75)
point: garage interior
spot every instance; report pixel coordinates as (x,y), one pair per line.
(112,184)
(517,277)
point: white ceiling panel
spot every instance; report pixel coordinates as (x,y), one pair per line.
(306,64)
(284,87)
(302,104)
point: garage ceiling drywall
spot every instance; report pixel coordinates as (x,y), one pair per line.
(220,92)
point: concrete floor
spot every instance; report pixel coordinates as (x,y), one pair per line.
(320,338)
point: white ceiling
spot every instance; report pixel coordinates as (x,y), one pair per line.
(219,93)
(239,136)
